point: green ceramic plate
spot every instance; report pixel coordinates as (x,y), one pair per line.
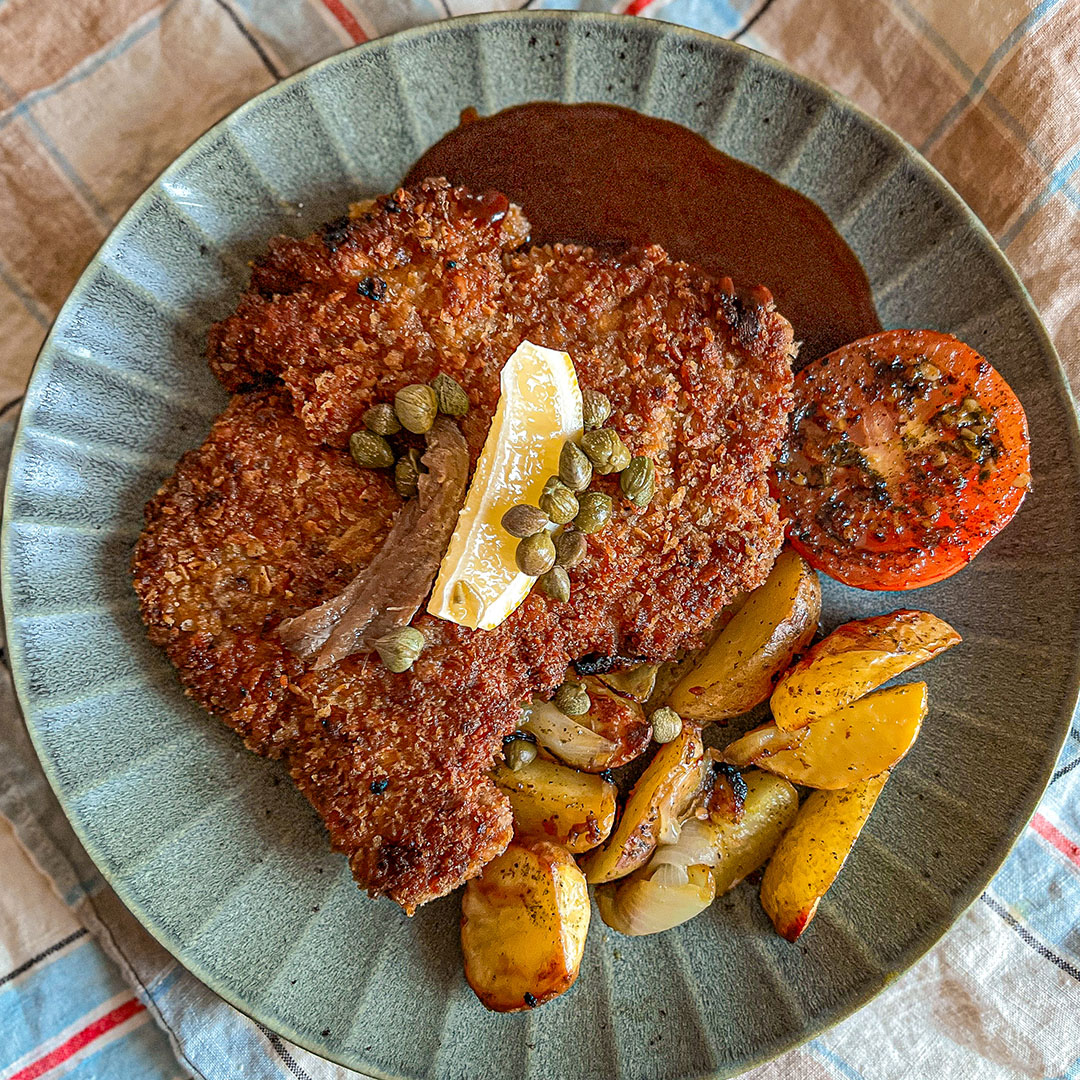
(225,863)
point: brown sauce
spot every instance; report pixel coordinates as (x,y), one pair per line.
(608,177)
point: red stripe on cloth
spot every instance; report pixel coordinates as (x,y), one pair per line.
(83,1038)
(346,18)
(1070,850)
(636,7)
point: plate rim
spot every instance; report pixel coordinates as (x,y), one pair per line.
(870,987)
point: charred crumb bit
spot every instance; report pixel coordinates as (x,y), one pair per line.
(379,786)
(373,288)
(601,664)
(530,1000)
(335,233)
(392,206)
(519,736)
(325,1032)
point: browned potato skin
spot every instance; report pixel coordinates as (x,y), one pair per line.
(554,802)
(744,844)
(738,671)
(812,851)
(523,926)
(855,659)
(864,738)
(671,780)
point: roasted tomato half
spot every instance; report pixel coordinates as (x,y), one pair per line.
(906,453)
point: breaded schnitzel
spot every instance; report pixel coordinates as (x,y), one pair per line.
(270,517)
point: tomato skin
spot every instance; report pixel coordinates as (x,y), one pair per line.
(907,452)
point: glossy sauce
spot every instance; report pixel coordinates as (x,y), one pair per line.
(609,177)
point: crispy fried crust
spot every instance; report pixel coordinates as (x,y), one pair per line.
(269,518)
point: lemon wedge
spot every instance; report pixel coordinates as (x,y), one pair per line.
(479,584)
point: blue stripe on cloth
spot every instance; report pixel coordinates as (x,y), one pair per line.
(90,65)
(1057,182)
(34,309)
(104,218)
(1064,769)
(143,1053)
(83,888)
(988,99)
(54,996)
(33,962)
(927,30)
(1024,884)
(296,1070)
(164,984)
(1028,937)
(210,1031)
(1072,1072)
(1063,797)
(835,1060)
(978,84)
(712,16)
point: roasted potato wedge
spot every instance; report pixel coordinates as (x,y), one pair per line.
(735,845)
(854,743)
(809,856)
(663,792)
(635,683)
(854,659)
(523,926)
(738,671)
(650,901)
(554,802)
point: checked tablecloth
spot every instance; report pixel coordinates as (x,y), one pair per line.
(97,96)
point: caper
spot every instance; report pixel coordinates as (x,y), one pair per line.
(558,502)
(399,649)
(595,408)
(575,469)
(621,458)
(666,725)
(572,699)
(638,480)
(407,473)
(416,407)
(570,548)
(452,398)
(555,583)
(595,512)
(605,450)
(519,753)
(535,554)
(524,520)
(381,419)
(370,451)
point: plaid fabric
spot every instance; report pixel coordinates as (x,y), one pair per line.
(97,96)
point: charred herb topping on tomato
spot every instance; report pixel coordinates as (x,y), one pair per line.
(906,452)
(940,445)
